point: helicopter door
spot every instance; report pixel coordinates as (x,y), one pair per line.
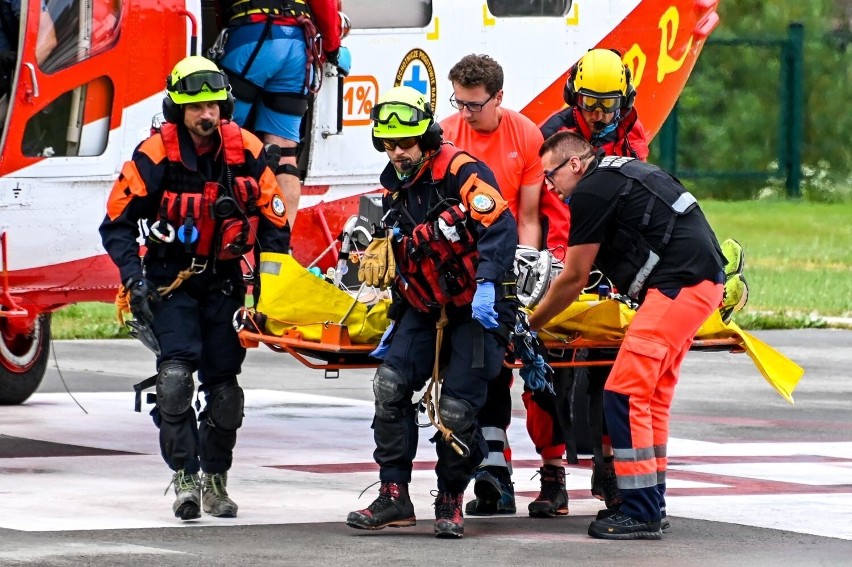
(61,100)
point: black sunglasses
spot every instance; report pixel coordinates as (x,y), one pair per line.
(471,106)
(549,173)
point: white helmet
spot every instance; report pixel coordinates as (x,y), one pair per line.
(535,270)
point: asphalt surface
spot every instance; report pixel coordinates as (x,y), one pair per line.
(752,481)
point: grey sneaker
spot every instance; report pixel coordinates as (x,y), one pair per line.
(187,495)
(215,496)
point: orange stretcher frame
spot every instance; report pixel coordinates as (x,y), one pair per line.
(336,351)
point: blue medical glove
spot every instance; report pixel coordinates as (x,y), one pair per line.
(342,58)
(381,350)
(483,305)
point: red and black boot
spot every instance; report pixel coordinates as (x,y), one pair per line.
(393,508)
(552,501)
(449,520)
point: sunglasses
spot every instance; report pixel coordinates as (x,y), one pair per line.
(607,104)
(194,83)
(391,144)
(404,114)
(549,173)
(471,106)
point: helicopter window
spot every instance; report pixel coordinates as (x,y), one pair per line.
(375,13)
(83,29)
(75,124)
(520,8)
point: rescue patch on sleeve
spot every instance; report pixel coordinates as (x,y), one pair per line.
(278,206)
(483,203)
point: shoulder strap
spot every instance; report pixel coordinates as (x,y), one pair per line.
(168,132)
(232,142)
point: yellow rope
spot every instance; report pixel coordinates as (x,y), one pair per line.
(122,301)
(432,401)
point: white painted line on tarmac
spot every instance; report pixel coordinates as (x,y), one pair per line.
(306,458)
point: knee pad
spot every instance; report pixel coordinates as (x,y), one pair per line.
(456,414)
(225,406)
(174,387)
(390,388)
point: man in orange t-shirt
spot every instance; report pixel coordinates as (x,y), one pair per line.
(508,142)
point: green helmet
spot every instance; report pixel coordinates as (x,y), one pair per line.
(402,112)
(197,79)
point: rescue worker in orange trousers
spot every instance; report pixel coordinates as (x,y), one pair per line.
(453,240)
(600,95)
(646,233)
(202,186)
(508,142)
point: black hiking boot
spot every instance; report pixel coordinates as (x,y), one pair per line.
(605,484)
(393,508)
(552,501)
(449,520)
(494,493)
(620,526)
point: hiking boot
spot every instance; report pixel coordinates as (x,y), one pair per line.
(552,501)
(187,495)
(449,521)
(214,496)
(393,508)
(605,484)
(620,526)
(494,493)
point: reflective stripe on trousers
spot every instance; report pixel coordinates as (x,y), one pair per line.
(640,389)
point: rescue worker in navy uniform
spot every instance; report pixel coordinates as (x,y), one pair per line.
(453,241)
(646,233)
(202,184)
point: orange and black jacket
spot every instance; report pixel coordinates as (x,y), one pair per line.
(422,198)
(138,194)
(629,139)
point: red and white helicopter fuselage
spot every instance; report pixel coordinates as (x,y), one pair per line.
(76,116)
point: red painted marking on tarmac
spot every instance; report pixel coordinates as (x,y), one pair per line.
(336,468)
(726,485)
(755,422)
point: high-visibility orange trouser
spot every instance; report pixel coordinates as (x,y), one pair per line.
(640,388)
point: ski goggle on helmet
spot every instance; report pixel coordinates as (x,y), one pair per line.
(600,81)
(402,112)
(197,79)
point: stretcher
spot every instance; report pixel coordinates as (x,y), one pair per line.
(327,328)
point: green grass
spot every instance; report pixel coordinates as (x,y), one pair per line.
(798,255)
(798,266)
(87,321)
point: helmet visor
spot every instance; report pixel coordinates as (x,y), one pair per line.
(194,83)
(405,115)
(609,103)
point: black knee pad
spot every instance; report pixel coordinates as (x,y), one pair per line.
(457,415)
(225,406)
(391,392)
(174,387)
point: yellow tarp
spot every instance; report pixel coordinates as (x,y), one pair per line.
(294,298)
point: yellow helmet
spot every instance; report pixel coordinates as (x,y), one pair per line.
(602,75)
(197,79)
(402,112)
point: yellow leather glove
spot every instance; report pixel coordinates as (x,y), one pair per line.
(390,273)
(373,268)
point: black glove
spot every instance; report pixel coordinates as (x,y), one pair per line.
(142,294)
